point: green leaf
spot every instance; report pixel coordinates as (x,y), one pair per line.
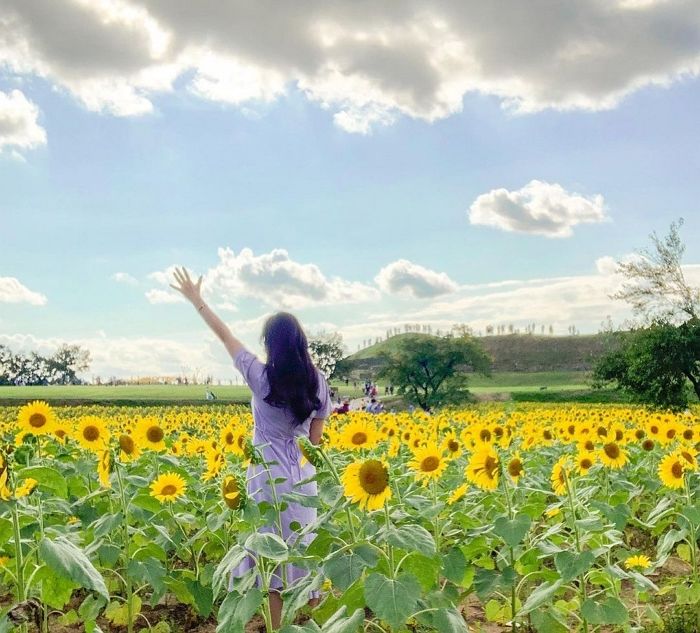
(424,568)
(610,611)
(340,623)
(392,600)
(571,565)
(237,610)
(297,596)
(344,569)
(107,523)
(47,478)
(688,594)
(267,545)
(512,531)
(233,558)
(449,621)
(118,612)
(539,596)
(411,538)
(56,590)
(69,561)
(545,622)
(203,597)
(454,566)
(146,502)
(91,607)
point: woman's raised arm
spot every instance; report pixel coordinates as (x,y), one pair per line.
(193,293)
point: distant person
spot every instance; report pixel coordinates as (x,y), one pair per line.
(210,395)
(344,408)
(373,391)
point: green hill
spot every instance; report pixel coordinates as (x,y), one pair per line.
(510,353)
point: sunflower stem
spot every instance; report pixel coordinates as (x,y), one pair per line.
(390,549)
(125,529)
(582,578)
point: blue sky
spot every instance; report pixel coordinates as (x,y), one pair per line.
(91,189)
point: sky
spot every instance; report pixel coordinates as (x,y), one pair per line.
(361,164)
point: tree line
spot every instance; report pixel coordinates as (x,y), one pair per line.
(60,368)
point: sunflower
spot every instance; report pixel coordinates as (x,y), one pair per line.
(232,492)
(452,445)
(37,418)
(515,467)
(150,434)
(613,455)
(428,463)
(560,475)
(92,433)
(216,459)
(690,457)
(584,462)
(103,468)
(359,434)
(482,469)
(638,562)
(26,488)
(168,487)
(128,449)
(367,483)
(458,493)
(672,470)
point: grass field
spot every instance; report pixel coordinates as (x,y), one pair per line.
(506,382)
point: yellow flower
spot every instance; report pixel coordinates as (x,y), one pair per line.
(690,457)
(367,483)
(4,560)
(452,445)
(128,448)
(37,418)
(560,474)
(103,469)
(168,487)
(150,434)
(215,462)
(482,469)
(92,433)
(672,471)
(458,493)
(613,455)
(584,462)
(638,562)
(359,434)
(553,512)
(26,488)
(428,463)
(231,492)
(515,467)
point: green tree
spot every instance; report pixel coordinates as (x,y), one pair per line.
(655,363)
(326,350)
(65,365)
(433,371)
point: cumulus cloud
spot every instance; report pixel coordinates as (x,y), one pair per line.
(19,127)
(403,277)
(12,291)
(273,278)
(125,278)
(366,64)
(539,208)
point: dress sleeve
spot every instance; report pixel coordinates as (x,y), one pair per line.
(252,370)
(324,409)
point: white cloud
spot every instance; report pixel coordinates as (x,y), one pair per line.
(273,278)
(19,127)
(403,277)
(125,278)
(12,291)
(539,208)
(157,296)
(366,64)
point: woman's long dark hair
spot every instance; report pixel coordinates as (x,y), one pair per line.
(291,373)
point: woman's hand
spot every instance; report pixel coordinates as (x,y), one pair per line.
(190,290)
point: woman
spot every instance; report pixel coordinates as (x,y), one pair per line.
(290,400)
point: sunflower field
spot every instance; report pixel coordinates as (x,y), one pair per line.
(495,517)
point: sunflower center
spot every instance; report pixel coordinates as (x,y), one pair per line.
(571,429)
(126,443)
(37,420)
(60,433)
(429,464)
(639,434)
(485,435)
(654,429)
(648,445)
(602,431)
(498,432)
(677,470)
(453,446)
(374,478)
(586,463)
(229,438)
(671,433)
(688,457)
(515,468)
(91,433)
(170,489)
(490,466)
(688,434)
(359,438)
(155,434)
(618,435)
(589,445)
(612,450)
(391,432)
(547,435)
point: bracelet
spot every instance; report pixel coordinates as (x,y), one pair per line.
(200,308)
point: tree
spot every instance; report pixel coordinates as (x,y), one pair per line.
(655,285)
(326,350)
(67,363)
(655,363)
(432,371)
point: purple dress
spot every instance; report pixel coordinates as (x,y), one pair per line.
(276,436)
